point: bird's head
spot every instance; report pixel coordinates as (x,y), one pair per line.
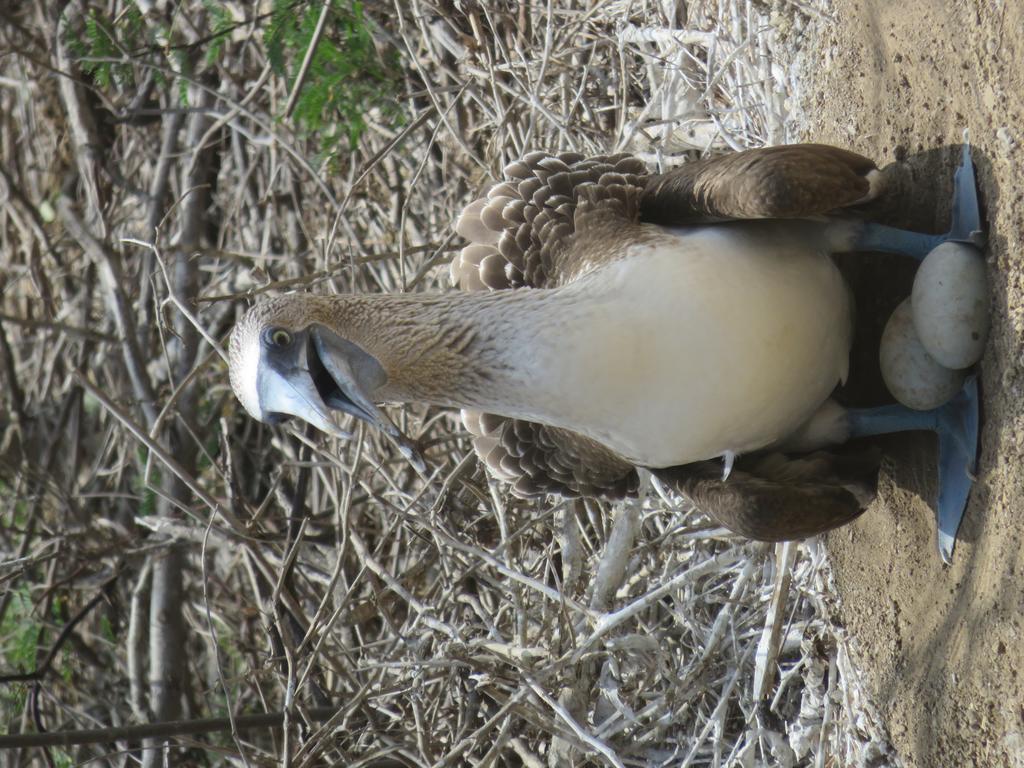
(287,357)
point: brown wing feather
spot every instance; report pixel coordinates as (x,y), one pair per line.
(537,459)
(522,233)
(771,497)
(771,182)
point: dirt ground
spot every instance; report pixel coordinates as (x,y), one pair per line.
(941,646)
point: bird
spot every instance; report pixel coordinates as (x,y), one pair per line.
(611,320)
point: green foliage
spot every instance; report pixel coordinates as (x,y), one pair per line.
(100,41)
(20,632)
(59,613)
(184,66)
(19,641)
(57,609)
(107,629)
(146,491)
(221,24)
(106,48)
(19,515)
(233,662)
(346,78)
(147,507)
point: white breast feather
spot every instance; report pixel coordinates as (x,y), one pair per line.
(691,348)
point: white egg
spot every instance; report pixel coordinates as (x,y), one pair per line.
(950,304)
(912,375)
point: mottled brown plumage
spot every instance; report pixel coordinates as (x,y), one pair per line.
(549,221)
(531,230)
(552,220)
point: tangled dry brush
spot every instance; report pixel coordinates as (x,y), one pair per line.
(166,558)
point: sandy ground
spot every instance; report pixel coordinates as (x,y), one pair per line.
(941,647)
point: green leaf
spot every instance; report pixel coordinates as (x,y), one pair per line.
(347,78)
(221,23)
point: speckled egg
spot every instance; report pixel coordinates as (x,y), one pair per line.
(950,304)
(912,375)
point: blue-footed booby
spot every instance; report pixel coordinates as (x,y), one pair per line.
(692,323)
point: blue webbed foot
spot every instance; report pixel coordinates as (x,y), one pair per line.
(958,459)
(956,424)
(965,227)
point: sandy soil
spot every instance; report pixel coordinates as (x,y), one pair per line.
(941,647)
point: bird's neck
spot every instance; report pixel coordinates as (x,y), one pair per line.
(484,350)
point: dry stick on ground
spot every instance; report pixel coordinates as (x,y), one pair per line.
(30,219)
(80,118)
(136,645)
(11,385)
(165,457)
(167,667)
(170,125)
(161,731)
(766,657)
(610,575)
(211,626)
(118,304)
(61,328)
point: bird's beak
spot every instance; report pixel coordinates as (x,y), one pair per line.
(331,373)
(290,389)
(353,372)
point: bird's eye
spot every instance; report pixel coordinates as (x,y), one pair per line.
(279,337)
